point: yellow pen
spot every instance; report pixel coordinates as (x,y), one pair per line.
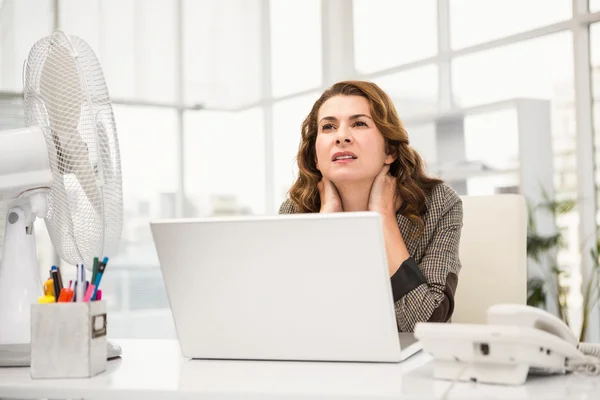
(49,287)
(46,299)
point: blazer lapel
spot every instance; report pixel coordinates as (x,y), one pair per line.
(407,229)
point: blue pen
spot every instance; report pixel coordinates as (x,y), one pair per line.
(101,267)
(59,276)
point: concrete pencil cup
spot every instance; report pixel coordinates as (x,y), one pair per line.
(68,340)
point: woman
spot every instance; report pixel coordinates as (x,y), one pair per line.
(355,156)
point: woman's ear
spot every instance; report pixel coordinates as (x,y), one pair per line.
(390,154)
(390,158)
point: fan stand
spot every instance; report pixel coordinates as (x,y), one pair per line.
(19,355)
(20,284)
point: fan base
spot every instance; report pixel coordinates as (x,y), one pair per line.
(19,355)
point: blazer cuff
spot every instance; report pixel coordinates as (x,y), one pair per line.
(406,278)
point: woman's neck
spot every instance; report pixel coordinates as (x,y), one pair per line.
(355,196)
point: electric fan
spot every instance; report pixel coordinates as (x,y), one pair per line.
(63,167)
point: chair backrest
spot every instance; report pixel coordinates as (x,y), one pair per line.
(493,254)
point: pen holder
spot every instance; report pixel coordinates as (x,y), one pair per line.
(68,340)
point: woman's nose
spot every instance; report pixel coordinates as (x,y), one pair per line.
(343,136)
(345,140)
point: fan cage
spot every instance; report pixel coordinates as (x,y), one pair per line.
(66,96)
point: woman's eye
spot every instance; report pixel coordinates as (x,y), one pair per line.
(327,127)
(360,123)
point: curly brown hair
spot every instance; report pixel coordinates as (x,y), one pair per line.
(413,183)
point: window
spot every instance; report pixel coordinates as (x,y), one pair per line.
(155,54)
(422,138)
(538,68)
(393,32)
(594,5)
(117,47)
(224,162)
(492,140)
(295,46)
(134,289)
(595,74)
(139,61)
(22,23)
(477,21)
(287,121)
(541,67)
(222,52)
(414,92)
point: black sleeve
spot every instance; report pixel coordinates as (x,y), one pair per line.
(406,278)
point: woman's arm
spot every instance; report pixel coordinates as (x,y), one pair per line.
(395,248)
(425,292)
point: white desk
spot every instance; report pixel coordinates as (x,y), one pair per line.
(152,369)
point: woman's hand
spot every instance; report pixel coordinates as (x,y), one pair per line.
(330,198)
(382,198)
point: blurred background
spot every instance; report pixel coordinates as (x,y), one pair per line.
(498,96)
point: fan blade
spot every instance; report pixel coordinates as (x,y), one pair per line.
(60,86)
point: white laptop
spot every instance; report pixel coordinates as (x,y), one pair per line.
(311,287)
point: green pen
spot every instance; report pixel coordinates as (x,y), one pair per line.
(94,270)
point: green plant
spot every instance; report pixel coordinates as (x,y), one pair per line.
(542,250)
(591,290)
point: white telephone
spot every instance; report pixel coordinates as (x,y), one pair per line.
(517,340)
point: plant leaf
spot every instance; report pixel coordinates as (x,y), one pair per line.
(537,244)
(558,207)
(536,296)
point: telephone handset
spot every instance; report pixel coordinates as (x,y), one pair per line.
(517,340)
(531,317)
(521,315)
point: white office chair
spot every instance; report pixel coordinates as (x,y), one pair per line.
(493,254)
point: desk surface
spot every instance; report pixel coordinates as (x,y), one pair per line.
(155,369)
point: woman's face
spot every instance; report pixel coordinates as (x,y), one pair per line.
(349,146)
